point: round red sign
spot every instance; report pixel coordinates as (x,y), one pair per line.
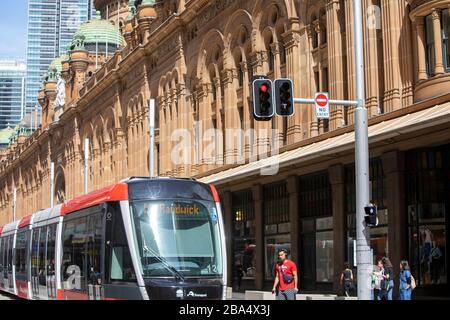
(321,100)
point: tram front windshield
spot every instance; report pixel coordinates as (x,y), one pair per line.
(177,237)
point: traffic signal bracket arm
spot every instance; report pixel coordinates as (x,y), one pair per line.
(345,103)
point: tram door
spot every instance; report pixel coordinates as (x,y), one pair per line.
(4,274)
(10,264)
(35,246)
(94,257)
(82,264)
(50,274)
(43,278)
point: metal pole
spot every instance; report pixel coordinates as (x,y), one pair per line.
(52,184)
(363,253)
(86,165)
(152,113)
(14,203)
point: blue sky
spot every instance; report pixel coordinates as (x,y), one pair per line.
(13,28)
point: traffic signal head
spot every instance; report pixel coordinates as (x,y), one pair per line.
(371,215)
(262,100)
(284,97)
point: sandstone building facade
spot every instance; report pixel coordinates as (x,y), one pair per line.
(197,59)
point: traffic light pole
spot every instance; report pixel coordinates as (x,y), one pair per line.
(363,252)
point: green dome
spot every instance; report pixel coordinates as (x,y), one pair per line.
(57,63)
(99,31)
(6,134)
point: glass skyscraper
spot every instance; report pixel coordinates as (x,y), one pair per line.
(12,92)
(51,26)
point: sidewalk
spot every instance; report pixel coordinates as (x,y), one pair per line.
(264,295)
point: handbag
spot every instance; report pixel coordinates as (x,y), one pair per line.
(286,278)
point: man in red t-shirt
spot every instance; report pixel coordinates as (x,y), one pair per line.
(286,278)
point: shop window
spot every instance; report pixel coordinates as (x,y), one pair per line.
(317,243)
(324,249)
(244,243)
(431,60)
(276,225)
(315,196)
(428,187)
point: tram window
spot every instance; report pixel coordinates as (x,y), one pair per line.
(74,250)
(50,261)
(41,264)
(21,245)
(35,253)
(10,253)
(121,264)
(95,231)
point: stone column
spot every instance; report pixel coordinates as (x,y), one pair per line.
(293,188)
(298,124)
(371,56)
(229,78)
(257,191)
(247,111)
(220,148)
(439,67)
(351,73)
(421,43)
(393,167)
(206,137)
(278,121)
(392,12)
(314,128)
(337,180)
(228,221)
(262,128)
(337,73)
(406,57)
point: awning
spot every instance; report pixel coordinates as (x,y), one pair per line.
(430,117)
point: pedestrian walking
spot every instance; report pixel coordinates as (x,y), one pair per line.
(286,280)
(406,281)
(347,279)
(387,284)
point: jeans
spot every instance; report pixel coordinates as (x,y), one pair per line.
(386,294)
(405,294)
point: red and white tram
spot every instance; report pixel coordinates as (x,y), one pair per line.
(142,238)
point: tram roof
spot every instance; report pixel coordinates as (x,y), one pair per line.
(10,227)
(47,214)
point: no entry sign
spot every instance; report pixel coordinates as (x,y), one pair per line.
(322,105)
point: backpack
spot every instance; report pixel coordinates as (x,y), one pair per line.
(413,283)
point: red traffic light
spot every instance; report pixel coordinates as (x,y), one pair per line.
(264,88)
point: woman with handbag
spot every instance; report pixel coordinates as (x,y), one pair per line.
(286,279)
(406,280)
